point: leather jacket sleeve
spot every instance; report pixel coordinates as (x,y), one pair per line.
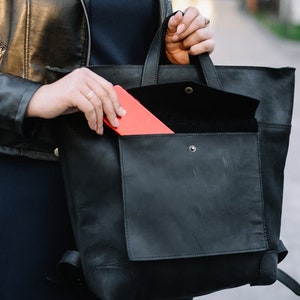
(34,34)
(15,94)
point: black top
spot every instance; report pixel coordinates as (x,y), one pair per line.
(122,30)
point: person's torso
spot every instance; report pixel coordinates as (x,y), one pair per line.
(121,31)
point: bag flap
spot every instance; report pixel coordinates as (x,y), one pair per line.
(191,195)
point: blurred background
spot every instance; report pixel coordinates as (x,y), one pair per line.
(263,33)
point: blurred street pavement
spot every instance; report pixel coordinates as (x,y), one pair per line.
(241,40)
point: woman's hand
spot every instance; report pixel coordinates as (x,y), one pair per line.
(188,33)
(81,90)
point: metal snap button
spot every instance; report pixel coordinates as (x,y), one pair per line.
(189,90)
(193,148)
(56,152)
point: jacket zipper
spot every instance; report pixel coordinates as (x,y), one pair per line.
(2,50)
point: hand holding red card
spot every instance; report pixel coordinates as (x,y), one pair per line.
(137,120)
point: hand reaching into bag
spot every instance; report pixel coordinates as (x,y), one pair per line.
(81,90)
(188,33)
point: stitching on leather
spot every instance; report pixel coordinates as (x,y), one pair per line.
(263,209)
(274,125)
(26,41)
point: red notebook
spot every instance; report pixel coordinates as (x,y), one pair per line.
(137,120)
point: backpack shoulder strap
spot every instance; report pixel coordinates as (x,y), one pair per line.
(288,281)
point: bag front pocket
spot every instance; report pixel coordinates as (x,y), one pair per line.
(192,195)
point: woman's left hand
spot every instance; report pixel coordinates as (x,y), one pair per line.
(188,33)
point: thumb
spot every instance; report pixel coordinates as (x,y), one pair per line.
(174,26)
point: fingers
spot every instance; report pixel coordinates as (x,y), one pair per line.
(81,90)
(199,41)
(174,23)
(188,22)
(100,99)
(189,31)
(203,46)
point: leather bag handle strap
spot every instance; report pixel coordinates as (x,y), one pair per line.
(151,66)
(165,9)
(288,281)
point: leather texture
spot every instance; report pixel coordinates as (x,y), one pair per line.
(195,203)
(174,216)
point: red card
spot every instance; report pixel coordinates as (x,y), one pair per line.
(137,120)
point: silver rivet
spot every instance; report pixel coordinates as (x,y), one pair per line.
(56,152)
(189,90)
(192,148)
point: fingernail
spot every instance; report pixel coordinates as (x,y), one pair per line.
(180,28)
(122,111)
(100,130)
(176,16)
(116,122)
(179,14)
(175,38)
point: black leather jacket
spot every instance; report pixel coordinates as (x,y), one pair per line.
(35,34)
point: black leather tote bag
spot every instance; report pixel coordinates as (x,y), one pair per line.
(169,216)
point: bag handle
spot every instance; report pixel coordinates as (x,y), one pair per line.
(151,66)
(165,9)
